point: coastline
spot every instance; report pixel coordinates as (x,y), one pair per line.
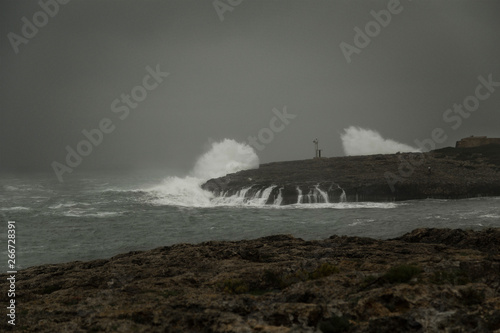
(428,279)
(447,173)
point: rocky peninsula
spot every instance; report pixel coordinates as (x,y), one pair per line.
(429,280)
(448,173)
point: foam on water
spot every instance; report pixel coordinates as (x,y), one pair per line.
(360,222)
(344,205)
(62,205)
(185,191)
(16,208)
(227,156)
(90,212)
(491,216)
(258,203)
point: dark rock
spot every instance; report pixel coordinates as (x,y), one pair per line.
(456,173)
(487,240)
(272,284)
(394,324)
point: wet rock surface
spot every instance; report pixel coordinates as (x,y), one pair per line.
(430,280)
(455,173)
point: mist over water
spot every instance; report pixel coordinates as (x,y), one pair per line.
(362,141)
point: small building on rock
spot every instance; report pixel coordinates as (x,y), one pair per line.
(476,141)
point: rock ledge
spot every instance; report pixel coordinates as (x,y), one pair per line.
(429,280)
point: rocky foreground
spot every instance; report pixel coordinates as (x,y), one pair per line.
(430,280)
(455,173)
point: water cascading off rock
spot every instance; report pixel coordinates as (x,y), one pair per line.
(258,195)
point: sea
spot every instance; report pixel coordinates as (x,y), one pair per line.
(93,215)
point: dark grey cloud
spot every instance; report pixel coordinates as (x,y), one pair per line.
(226,77)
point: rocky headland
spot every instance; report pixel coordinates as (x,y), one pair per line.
(429,280)
(454,173)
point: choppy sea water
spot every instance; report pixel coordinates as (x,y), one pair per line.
(92,216)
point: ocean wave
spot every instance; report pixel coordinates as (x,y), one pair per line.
(63,205)
(121,190)
(82,213)
(338,205)
(16,208)
(360,221)
(469,215)
(348,205)
(490,216)
(224,157)
(27,188)
(184,192)
(436,217)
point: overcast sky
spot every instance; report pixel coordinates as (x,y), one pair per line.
(225,77)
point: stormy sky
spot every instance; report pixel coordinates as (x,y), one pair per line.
(230,64)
